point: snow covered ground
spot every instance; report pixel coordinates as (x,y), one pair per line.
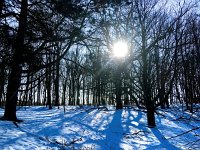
(87,129)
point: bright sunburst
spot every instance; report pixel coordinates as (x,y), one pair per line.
(120,49)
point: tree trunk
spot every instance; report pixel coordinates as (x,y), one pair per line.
(12,93)
(118,89)
(83,90)
(150,113)
(57,86)
(146,85)
(48,87)
(1,7)
(16,69)
(57,79)
(38,92)
(77,92)
(73,89)
(64,86)
(2,81)
(88,96)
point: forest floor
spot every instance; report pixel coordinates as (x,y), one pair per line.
(88,128)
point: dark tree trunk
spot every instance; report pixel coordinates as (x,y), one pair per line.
(49,96)
(118,89)
(48,87)
(64,92)
(57,79)
(1,7)
(98,90)
(162,95)
(150,113)
(15,75)
(70,93)
(73,89)
(78,92)
(45,97)
(83,91)
(2,80)
(149,106)
(57,86)
(149,102)
(25,99)
(88,96)
(146,85)
(12,93)
(38,92)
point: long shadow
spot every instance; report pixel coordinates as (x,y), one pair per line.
(53,126)
(164,143)
(113,133)
(17,138)
(135,131)
(146,132)
(59,121)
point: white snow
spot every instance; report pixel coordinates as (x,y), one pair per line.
(88,128)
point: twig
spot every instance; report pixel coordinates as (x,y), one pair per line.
(15,123)
(184,133)
(54,141)
(74,141)
(158,113)
(134,133)
(191,144)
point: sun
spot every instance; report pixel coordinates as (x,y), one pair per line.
(120,49)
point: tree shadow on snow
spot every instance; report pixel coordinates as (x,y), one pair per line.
(142,136)
(164,143)
(114,132)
